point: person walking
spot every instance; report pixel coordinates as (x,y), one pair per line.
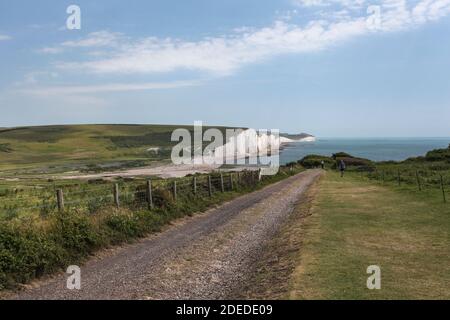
(342,167)
(322,164)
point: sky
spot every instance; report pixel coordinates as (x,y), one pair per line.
(332,68)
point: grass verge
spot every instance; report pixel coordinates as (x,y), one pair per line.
(356,223)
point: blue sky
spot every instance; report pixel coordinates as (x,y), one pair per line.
(327,67)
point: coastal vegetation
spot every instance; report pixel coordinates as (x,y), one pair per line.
(431,170)
(353,163)
(45,237)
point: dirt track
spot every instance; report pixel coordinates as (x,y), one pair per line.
(210,256)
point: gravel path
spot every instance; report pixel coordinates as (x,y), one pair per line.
(209,256)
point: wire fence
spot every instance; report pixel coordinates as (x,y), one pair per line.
(421,179)
(90,198)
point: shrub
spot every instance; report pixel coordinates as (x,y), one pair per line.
(75,232)
(438,155)
(337,155)
(124,226)
(11,212)
(5,147)
(162,198)
(314,161)
(26,254)
(360,163)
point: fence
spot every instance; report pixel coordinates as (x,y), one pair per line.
(152,193)
(422,179)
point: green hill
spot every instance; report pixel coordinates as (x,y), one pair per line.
(45,149)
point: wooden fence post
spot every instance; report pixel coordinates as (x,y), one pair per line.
(222,187)
(194,184)
(209,186)
(149,194)
(231,181)
(116,195)
(60,199)
(418,180)
(443,189)
(382,176)
(175,190)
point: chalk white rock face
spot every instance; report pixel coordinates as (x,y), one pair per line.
(250,143)
(308,139)
(284,140)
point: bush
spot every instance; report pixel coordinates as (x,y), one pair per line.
(338,155)
(162,198)
(438,155)
(124,226)
(314,161)
(76,233)
(360,163)
(5,147)
(26,254)
(11,212)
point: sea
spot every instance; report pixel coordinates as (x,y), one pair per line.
(376,149)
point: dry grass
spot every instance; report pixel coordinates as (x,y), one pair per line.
(355,224)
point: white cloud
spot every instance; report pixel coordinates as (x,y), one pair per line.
(51,50)
(35,76)
(325,3)
(93,40)
(220,55)
(114,87)
(86,102)
(90,96)
(311,3)
(225,54)
(96,39)
(4,37)
(435,9)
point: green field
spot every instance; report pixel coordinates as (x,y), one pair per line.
(54,149)
(356,222)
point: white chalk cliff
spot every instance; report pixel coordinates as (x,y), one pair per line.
(249,143)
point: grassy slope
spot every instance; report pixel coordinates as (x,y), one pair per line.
(56,145)
(33,246)
(357,223)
